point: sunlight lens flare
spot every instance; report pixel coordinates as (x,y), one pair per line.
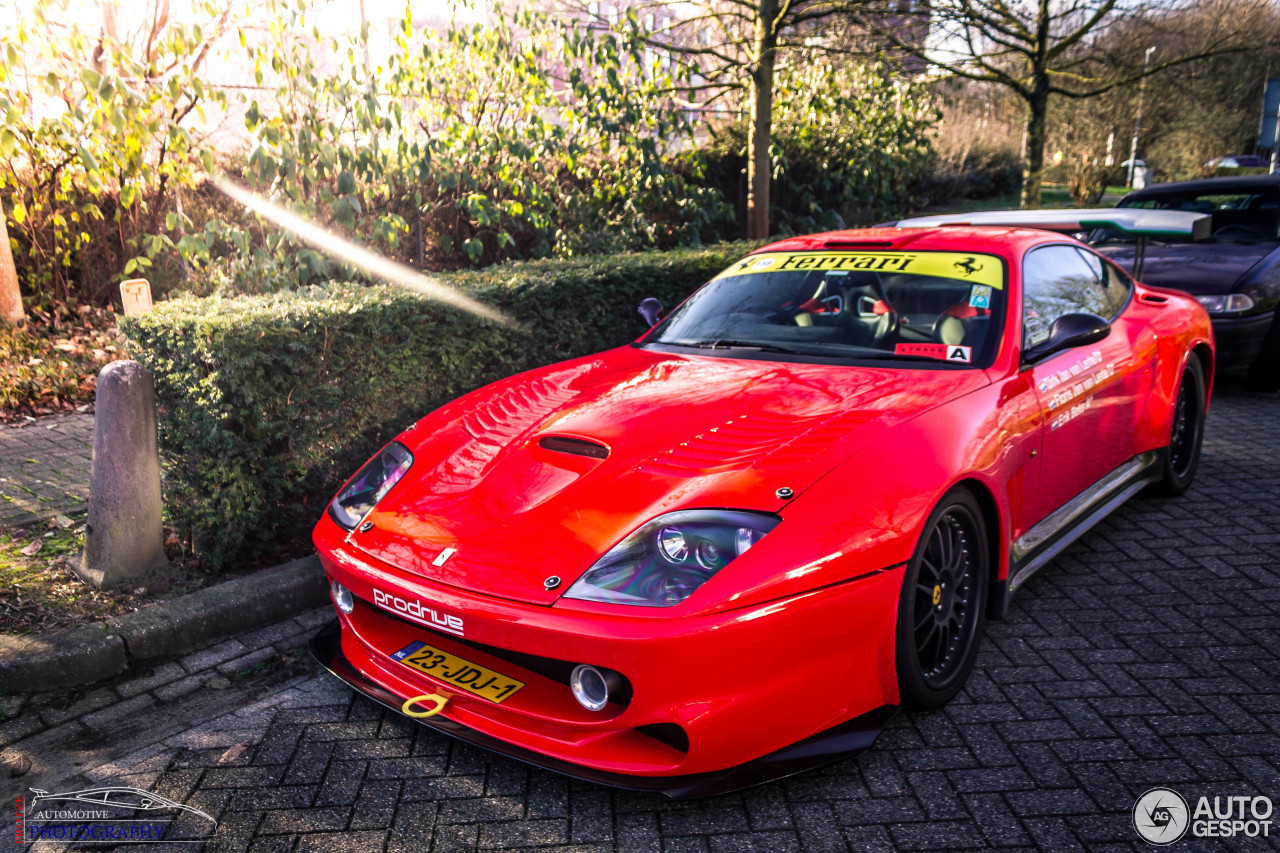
(347,252)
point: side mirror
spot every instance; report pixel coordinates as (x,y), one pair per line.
(650,309)
(1068,331)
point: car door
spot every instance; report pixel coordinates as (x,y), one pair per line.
(1090,395)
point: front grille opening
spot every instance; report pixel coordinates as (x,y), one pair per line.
(667,733)
(556,670)
(574,446)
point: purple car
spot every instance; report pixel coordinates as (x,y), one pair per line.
(1235,273)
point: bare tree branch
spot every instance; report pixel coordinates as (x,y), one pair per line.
(1084,29)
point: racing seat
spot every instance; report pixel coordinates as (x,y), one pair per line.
(963,326)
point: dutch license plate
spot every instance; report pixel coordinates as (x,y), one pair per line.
(459,672)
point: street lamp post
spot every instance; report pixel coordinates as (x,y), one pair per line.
(1137,124)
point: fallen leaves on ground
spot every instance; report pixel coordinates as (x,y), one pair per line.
(51,363)
(39,591)
(19,764)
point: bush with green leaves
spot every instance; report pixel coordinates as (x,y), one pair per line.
(583,168)
(524,137)
(982,172)
(850,142)
(850,139)
(96,138)
(266,403)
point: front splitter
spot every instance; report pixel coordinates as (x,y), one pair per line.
(823,748)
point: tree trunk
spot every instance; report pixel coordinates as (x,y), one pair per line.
(10,299)
(758,165)
(1033,161)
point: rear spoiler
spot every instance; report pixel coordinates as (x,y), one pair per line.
(1130,220)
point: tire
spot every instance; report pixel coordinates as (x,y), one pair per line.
(943,603)
(1181,458)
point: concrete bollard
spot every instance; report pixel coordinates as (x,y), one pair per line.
(124,538)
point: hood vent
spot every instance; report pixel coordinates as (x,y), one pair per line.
(844,243)
(574,446)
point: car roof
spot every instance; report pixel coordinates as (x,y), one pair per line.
(1235,183)
(998,240)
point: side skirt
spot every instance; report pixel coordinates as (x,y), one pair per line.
(1039,545)
(823,748)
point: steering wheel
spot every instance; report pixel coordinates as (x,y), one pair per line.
(887,326)
(791,313)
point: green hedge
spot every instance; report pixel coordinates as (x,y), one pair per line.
(266,403)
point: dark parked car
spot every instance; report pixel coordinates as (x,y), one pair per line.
(1235,273)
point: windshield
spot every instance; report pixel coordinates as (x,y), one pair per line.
(1246,216)
(939,307)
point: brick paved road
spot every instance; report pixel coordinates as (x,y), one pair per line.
(44,468)
(1148,654)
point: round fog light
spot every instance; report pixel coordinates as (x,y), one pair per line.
(590,687)
(342,597)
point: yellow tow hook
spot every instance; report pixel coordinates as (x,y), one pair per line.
(440,701)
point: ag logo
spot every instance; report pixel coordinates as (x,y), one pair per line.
(1161,816)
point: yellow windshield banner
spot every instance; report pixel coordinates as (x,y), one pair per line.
(979,269)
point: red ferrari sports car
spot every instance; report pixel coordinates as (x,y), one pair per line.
(733,549)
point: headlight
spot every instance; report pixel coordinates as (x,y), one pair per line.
(370,485)
(1229,303)
(662,563)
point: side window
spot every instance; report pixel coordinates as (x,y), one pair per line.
(1111,291)
(1116,286)
(1058,280)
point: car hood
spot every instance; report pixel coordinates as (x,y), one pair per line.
(487,507)
(1200,268)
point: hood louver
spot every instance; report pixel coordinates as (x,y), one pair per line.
(574,446)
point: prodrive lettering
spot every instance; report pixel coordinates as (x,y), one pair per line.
(418,612)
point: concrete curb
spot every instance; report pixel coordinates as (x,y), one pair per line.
(89,653)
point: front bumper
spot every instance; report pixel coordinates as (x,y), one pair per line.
(705,694)
(833,744)
(1237,341)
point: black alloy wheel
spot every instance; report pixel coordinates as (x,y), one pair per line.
(943,603)
(1186,434)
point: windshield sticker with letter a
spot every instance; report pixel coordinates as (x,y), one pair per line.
(942,352)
